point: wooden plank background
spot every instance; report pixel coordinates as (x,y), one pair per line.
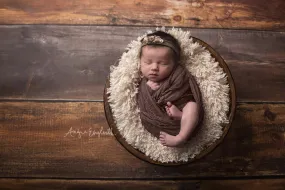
(72,62)
(54,60)
(63,140)
(250,14)
(264,184)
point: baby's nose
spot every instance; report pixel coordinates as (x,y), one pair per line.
(154,66)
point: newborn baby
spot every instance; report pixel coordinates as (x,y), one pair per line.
(168,93)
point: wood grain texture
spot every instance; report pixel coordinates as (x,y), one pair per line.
(72,140)
(260,184)
(72,62)
(250,14)
(55,184)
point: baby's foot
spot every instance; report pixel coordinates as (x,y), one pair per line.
(173,111)
(169,140)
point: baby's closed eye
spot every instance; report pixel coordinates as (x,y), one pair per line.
(164,63)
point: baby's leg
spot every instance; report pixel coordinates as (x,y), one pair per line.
(189,121)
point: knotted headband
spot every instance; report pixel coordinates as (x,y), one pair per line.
(157,40)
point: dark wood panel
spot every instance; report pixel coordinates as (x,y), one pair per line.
(22,184)
(250,14)
(72,140)
(260,184)
(72,62)
(41,184)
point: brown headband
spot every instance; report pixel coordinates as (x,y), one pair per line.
(157,40)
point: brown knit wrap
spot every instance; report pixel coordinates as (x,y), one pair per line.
(179,88)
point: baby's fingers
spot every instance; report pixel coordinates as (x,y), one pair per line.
(169,104)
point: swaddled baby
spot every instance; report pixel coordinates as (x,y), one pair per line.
(169,97)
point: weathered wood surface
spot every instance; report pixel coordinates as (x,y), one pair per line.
(247,184)
(12,184)
(72,62)
(27,184)
(250,14)
(72,140)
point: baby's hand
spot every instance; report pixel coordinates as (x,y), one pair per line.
(153,85)
(173,111)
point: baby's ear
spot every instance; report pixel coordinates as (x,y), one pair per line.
(140,73)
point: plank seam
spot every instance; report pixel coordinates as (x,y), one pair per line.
(90,100)
(147,26)
(282,176)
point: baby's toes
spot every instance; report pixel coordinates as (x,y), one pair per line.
(162,133)
(162,141)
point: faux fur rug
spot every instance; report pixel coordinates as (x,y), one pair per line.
(124,79)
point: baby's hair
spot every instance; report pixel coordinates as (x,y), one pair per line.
(169,38)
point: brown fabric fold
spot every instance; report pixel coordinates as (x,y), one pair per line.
(179,88)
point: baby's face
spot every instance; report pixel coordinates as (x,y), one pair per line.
(156,62)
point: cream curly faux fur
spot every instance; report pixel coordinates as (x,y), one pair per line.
(212,81)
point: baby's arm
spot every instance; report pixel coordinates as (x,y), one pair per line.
(189,121)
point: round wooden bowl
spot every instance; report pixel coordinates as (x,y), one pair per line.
(232,107)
